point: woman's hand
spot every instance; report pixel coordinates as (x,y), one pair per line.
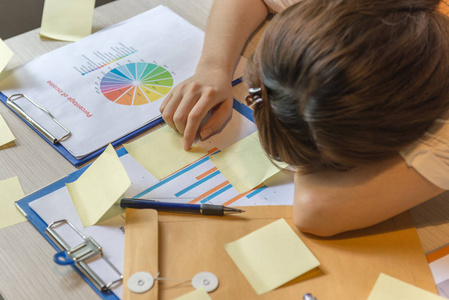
(189,102)
(230,24)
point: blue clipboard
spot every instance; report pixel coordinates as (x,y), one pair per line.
(41,226)
(81,161)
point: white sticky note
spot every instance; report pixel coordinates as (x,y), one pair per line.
(5,55)
(10,191)
(245,164)
(271,256)
(161,152)
(67,20)
(99,187)
(389,288)
(6,136)
(199,294)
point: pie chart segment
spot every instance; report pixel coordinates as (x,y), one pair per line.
(119,74)
(127,98)
(136,84)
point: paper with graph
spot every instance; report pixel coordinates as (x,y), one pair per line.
(110,83)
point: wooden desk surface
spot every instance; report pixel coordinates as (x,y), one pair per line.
(27,270)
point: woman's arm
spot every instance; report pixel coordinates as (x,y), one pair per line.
(327,203)
(230,24)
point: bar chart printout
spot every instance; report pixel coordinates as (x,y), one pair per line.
(201,182)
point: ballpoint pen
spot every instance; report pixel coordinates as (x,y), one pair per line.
(203,209)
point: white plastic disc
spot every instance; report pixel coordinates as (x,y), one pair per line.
(206,280)
(140,282)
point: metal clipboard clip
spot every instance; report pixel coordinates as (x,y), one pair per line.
(16,108)
(78,255)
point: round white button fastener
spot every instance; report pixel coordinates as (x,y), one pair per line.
(206,280)
(140,282)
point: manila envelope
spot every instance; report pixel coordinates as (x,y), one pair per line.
(350,262)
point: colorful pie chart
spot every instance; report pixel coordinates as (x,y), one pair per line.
(136,83)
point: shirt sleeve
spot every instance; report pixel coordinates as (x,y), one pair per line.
(429,156)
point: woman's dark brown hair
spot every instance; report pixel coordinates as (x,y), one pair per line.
(346,82)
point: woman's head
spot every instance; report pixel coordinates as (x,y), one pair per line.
(345,82)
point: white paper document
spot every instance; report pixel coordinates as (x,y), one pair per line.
(110,83)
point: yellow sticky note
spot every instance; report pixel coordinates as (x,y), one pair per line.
(6,135)
(271,256)
(67,20)
(245,164)
(5,54)
(161,152)
(10,191)
(99,187)
(199,294)
(389,288)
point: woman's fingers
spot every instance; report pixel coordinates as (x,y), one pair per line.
(196,115)
(169,106)
(192,95)
(218,120)
(187,104)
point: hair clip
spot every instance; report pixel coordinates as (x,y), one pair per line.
(254,96)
